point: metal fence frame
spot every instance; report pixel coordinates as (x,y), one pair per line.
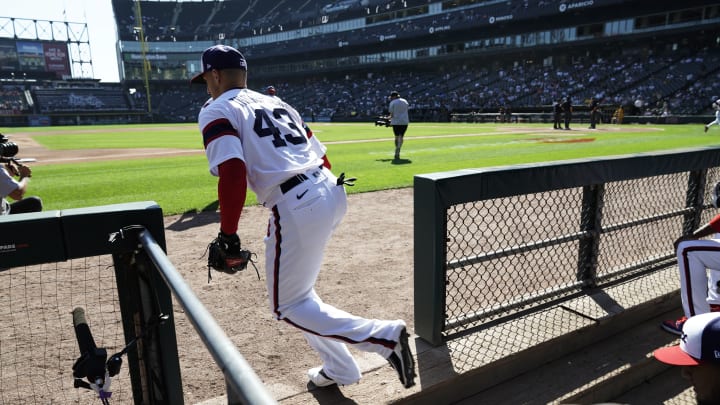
(435,193)
(133,233)
(243,385)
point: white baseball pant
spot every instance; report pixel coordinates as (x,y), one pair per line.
(299,228)
(699,268)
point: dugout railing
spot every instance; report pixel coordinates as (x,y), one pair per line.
(111,261)
(496,246)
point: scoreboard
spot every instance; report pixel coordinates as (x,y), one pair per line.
(35,56)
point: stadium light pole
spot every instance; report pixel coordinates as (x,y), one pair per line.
(143,50)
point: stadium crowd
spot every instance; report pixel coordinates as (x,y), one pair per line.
(670,78)
(12,100)
(645,83)
(247,18)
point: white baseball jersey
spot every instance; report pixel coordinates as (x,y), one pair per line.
(398,109)
(273,142)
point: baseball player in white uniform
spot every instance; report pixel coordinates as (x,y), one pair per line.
(716,106)
(252,139)
(699,270)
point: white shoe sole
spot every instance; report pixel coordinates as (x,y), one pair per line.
(318,377)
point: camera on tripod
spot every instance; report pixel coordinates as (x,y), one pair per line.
(383,120)
(7,149)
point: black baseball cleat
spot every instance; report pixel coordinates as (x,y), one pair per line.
(401,359)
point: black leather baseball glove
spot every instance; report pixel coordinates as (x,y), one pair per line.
(226,255)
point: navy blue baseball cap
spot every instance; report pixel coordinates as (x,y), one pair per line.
(699,343)
(219,57)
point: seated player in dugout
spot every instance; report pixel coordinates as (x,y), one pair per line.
(698,262)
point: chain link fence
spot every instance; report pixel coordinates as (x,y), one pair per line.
(110,263)
(38,347)
(522,251)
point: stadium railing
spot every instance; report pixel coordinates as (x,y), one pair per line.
(523,253)
(579,118)
(55,261)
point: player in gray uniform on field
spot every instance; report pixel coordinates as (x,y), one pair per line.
(399,119)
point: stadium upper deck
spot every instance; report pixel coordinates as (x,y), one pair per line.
(192,21)
(362,34)
(339,60)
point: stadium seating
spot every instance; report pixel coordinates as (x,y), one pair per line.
(12,100)
(678,75)
(79,98)
(665,83)
(469,87)
(660,81)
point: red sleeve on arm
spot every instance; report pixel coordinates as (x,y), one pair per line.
(309,132)
(232,188)
(326,162)
(715,223)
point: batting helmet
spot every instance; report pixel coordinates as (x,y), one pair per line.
(716,196)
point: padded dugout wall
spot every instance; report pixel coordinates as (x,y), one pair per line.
(60,236)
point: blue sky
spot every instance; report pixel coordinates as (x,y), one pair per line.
(98,15)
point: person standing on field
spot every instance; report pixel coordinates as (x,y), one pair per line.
(716,106)
(253,139)
(594,112)
(557,113)
(567,111)
(618,115)
(399,119)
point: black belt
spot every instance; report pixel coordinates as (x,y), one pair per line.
(292,182)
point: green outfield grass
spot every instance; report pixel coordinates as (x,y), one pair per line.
(362,150)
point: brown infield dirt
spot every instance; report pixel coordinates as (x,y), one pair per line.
(367,271)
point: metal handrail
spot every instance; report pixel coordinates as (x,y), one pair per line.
(243,385)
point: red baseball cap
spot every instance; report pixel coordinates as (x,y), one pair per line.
(219,57)
(699,343)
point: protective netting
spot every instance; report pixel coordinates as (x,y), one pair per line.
(37,340)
